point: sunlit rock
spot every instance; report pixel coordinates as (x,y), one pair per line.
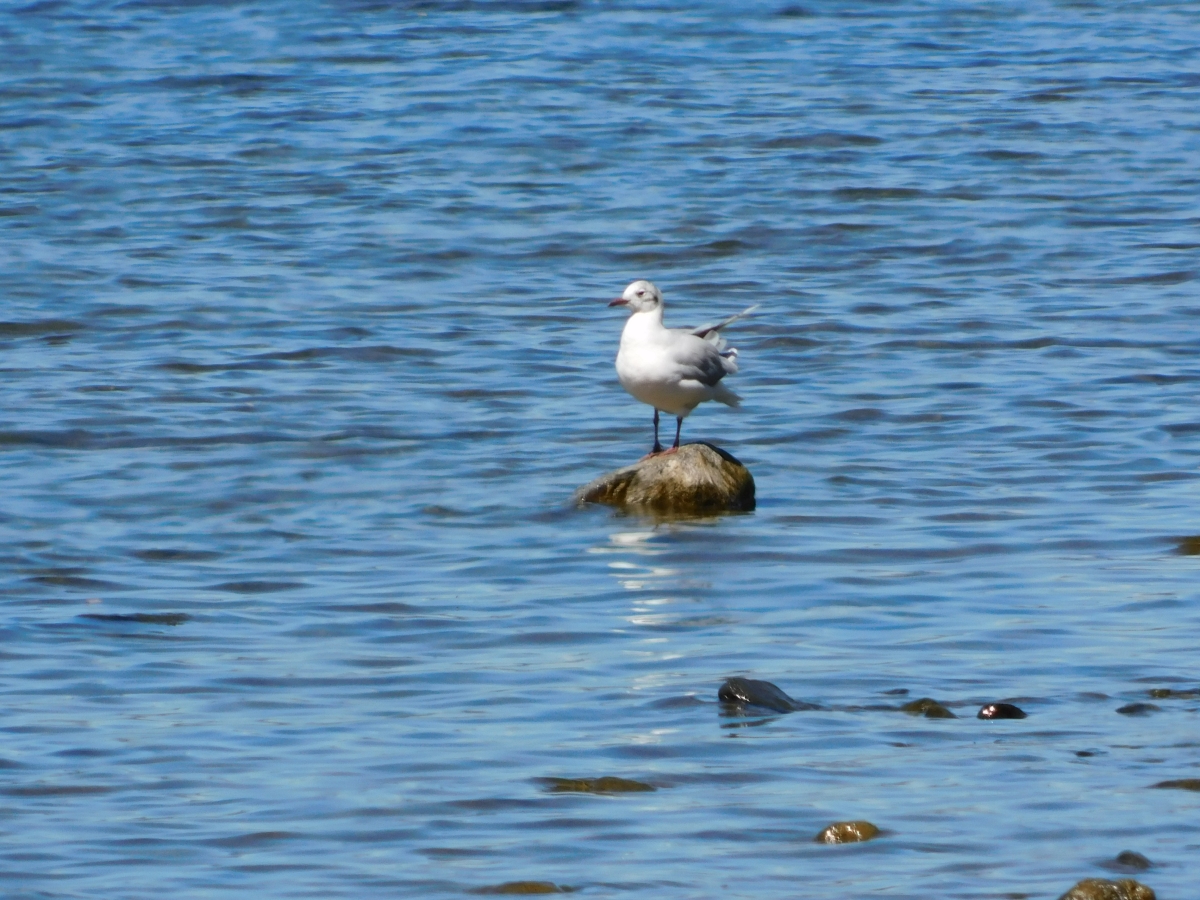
(1000,711)
(1103,889)
(847,833)
(752,692)
(695,479)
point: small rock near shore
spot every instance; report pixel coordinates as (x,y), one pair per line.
(696,479)
(1103,889)
(847,833)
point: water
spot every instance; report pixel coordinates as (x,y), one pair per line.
(305,349)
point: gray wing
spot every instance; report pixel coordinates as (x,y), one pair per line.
(698,359)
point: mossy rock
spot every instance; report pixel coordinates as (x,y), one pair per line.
(929,708)
(607,784)
(696,479)
(847,833)
(1103,889)
(1172,694)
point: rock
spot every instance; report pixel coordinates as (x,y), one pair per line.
(608,784)
(1172,694)
(696,479)
(1128,861)
(1138,709)
(1103,889)
(752,692)
(1181,784)
(847,833)
(1000,711)
(1188,546)
(929,708)
(524,887)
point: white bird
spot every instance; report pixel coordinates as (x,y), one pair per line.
(672,369)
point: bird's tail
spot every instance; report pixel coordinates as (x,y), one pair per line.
(724,395)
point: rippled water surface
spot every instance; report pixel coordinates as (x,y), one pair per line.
(304,350)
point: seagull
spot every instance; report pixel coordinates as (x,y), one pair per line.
(672,369)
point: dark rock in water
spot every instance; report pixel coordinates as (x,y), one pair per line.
(1172,694)
(847,833)
(751,692)
(524,887)
(696,479)
(1128,861)
(1138,709)
(1103,889)
(605,785)
(929,708)
(1188,546)
(1181,784)
(1000,711)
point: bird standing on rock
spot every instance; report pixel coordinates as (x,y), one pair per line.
(672,369)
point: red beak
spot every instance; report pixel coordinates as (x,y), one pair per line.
(620,301)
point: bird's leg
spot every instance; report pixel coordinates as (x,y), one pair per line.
(678,428)
(657,445)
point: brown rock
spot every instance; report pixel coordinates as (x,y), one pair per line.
(929,708)
(1181,784)
(695,479)
(524,887)
(847,833)
(608,784)
(1103,889)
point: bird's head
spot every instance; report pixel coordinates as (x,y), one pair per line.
(640,296)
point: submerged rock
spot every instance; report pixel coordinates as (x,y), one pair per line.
(524,887)
(1138,709)
(847,833)
(694,480)
(752,692)
(1172,694)
(1103,889)
(1000,711)
(1181,784)
(929,708)
(607,784)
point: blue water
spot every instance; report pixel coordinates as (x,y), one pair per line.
(304,349)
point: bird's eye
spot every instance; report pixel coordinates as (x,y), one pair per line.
(641,293)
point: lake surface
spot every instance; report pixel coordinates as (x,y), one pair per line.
(304,349)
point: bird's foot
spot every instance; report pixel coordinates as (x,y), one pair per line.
(658,451)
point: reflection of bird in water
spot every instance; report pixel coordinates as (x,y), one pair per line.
(672,369)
